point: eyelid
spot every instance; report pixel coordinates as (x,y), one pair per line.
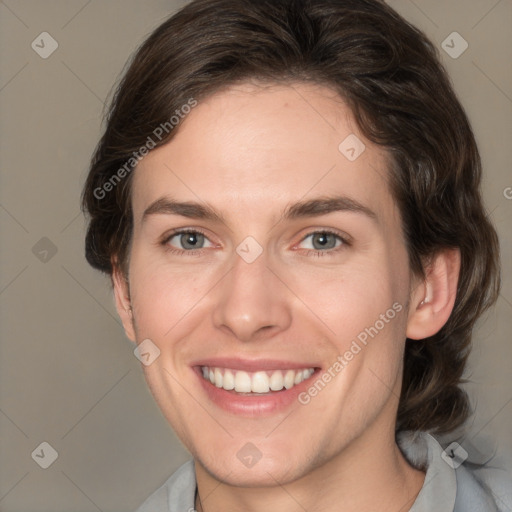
(343,237)
(166,238)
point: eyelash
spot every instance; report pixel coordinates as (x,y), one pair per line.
(310,252)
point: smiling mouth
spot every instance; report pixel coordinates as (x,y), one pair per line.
(255,383)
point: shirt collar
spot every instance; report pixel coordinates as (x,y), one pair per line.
(440,486)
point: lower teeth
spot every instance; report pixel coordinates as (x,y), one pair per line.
(251,393)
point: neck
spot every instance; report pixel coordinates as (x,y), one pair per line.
(368,475)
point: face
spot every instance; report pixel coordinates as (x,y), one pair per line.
(269,268)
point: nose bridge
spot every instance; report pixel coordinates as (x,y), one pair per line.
(252,300)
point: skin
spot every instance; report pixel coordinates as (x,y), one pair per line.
(250,152)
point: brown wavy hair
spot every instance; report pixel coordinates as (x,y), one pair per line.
(390,75)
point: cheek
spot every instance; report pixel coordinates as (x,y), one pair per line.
(162,294)
(364,309)
(346,298)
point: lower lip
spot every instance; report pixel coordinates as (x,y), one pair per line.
(253,405)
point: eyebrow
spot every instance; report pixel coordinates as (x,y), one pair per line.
(303,209)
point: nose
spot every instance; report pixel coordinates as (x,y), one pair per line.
(253,304)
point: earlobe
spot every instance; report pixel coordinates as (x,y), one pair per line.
(123,302)
(433,300)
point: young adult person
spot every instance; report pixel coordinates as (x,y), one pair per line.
(287,199)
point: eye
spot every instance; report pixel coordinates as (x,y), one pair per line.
(188,240)
(322,241)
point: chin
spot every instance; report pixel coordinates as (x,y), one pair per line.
(254,463)
(262,474)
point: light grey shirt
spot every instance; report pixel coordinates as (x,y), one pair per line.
(452,484)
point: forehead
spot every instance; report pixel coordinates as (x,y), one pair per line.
(262,147)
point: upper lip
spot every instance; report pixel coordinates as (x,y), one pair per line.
(252,365)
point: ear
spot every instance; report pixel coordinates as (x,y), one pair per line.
(123,302)
(433,299)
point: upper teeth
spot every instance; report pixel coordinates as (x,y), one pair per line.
(257,382)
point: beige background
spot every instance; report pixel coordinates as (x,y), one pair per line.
(68,376)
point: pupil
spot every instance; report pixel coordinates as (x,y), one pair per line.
(190,240)
(322,240)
